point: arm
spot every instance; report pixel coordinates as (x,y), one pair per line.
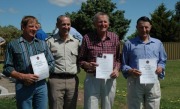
(83,55)
(125,67)
(116,69)
(161,62)
(162,57)
(50,58)
(8,61)
(9,70)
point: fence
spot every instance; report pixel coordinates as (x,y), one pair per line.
(172,50)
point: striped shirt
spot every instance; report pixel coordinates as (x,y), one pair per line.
(92,47)
(18,52)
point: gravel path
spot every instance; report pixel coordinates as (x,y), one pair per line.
(7,83)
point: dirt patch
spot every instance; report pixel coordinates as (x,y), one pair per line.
(80,100)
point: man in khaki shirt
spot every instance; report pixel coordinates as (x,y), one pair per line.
(63,83)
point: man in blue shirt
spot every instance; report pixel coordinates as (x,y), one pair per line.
(30,93)
(76,34)
(143,47)
(40,34)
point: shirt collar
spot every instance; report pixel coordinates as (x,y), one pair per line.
(23,40)
(108,36)
(58,37)
(149,41)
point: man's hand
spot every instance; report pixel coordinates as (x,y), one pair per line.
(91,66)
(159,70)
(29,79)
(114,74)
(134,72)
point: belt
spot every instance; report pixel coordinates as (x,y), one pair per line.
(93,73)
(62,75)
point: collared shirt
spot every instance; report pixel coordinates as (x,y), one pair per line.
(135,49)
(18,52)
(92,47)
(65,53)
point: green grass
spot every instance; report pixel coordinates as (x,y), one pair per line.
(170,88)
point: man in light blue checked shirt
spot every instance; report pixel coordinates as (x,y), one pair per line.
(30,93)
(142,47)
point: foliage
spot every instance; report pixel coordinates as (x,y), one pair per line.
(82,20)
(9,32)
(166,24)
(132,35)
(177,20)
(163,24)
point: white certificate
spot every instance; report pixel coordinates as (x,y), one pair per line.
(105,66)
(148,68)
(40,66)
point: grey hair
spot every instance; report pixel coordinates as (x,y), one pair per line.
(95,18)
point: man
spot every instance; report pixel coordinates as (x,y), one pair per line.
(94,45)
(143,47)
(76,34)
(63,83)
(40,34)
(30,93)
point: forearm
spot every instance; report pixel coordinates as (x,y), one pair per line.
(17,75)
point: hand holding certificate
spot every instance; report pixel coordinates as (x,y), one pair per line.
(148,68)
(40,66)
(105,66)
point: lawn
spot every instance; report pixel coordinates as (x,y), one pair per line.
(170,88)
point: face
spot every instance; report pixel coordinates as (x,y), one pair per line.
(143,29)
(102,23)
(64,25)
(30,29)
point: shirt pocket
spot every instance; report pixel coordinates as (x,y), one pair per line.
(73,56)
(110,48)
(41,50)
(19,58)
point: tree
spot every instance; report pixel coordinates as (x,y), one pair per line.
(82,20)
(133,35)
(8,33)
(163,25)
(176,18)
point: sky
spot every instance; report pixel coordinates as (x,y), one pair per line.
(12,11)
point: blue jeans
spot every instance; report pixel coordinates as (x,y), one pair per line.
(33,96)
